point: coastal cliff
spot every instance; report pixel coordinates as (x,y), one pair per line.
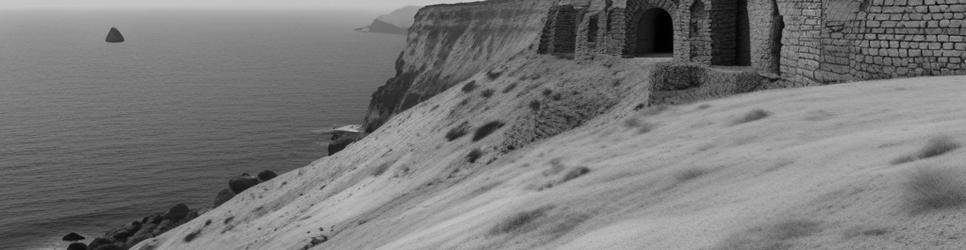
(482,143)
(396,22)
(449,43)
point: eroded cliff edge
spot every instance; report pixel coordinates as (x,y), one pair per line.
(449,43)
(536,152)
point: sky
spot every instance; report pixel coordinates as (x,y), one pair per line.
(371,5)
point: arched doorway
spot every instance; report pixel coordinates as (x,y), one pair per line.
(655,33)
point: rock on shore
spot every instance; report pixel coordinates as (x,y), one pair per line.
(132,233)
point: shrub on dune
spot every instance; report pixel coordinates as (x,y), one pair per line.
(935,147)
(469,87)
(458,131)
(486,130)
(930,188)
(474,155)
(754,115)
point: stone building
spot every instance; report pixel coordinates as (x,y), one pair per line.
(802,41)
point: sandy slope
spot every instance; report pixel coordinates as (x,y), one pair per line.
(814,174)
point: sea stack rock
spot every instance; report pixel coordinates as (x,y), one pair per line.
(114,36)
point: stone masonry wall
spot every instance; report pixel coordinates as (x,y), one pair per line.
(903,38)
(559,34)
(803,41)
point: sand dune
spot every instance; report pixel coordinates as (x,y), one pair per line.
(833,167)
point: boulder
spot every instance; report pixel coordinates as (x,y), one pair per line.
(98,242)
(133,227)
(72,237)
(241,183)
(146,232)
(121,236)
(266,175)
(77,246)
(109,247)
(223,196)
(177,212)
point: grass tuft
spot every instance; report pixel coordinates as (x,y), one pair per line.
(931,189)
(754,115)
(191,236)
(487,93)
(509,88)
(632,122)
(535,105)
(576,172)
(689,174)
(494,74)
(458,131)
(518,222)
(935,147)
(474,155)
(469,87)
(655,110)
(771,237)
(487,129)
(381,169)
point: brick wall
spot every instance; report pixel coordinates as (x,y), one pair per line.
(803,41)
(900,38)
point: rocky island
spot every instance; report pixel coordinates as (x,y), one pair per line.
(396,22)
(114,36)
(639,124)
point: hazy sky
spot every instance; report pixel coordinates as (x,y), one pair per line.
(378,5)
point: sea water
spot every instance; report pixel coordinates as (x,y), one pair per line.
(94,135)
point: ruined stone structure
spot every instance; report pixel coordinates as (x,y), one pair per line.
(802,41)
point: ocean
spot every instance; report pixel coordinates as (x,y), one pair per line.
(94,135)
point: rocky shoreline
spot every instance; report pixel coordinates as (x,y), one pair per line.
(130,234)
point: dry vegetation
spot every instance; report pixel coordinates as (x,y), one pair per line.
(381,169)
(754,115)
(458,131)
(520,222)
(932,188)
(509,88)
(487,93)
(772,237)
(469,87)
(576,172)
(689,174)
(486,130)
(474,155)
(535,105)
(935,147)
(635,123)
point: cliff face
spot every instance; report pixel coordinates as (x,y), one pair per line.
(397,22)
(449,43)
(537,152)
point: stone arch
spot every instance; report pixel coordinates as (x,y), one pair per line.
(653,31)
(632,15)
